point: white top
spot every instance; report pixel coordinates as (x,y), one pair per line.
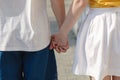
(24,25)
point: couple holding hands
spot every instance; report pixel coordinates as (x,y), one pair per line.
(97,49)
(25,36)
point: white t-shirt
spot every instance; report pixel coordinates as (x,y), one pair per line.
(24,25)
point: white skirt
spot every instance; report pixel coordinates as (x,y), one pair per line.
(98,44)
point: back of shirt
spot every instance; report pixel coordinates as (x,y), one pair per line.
(24,25)
(104,3)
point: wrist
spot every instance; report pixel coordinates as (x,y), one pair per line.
(63,32)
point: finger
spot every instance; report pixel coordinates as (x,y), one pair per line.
(62,49)
(54,44)
(57,49)
(66,46)
(51,46)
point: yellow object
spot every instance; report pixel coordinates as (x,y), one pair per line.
(104,3)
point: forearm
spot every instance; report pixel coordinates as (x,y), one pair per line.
(74,12)
(59,10)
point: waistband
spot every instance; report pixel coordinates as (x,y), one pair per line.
(101,10)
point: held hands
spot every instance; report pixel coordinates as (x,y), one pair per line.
(59,42)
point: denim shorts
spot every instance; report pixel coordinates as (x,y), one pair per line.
(22,65)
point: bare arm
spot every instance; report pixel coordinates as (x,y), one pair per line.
(60,38)
(75,10)
(59,10)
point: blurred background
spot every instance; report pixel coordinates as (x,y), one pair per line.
(65,60)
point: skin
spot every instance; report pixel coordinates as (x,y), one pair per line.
(58,7)
(115,77)
(60,39)
(106,78)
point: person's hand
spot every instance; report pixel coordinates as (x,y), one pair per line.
(59,42)
(59,45)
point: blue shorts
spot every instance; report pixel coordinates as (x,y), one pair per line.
(20,65)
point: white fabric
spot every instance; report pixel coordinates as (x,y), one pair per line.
(24,25)
(98,44)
